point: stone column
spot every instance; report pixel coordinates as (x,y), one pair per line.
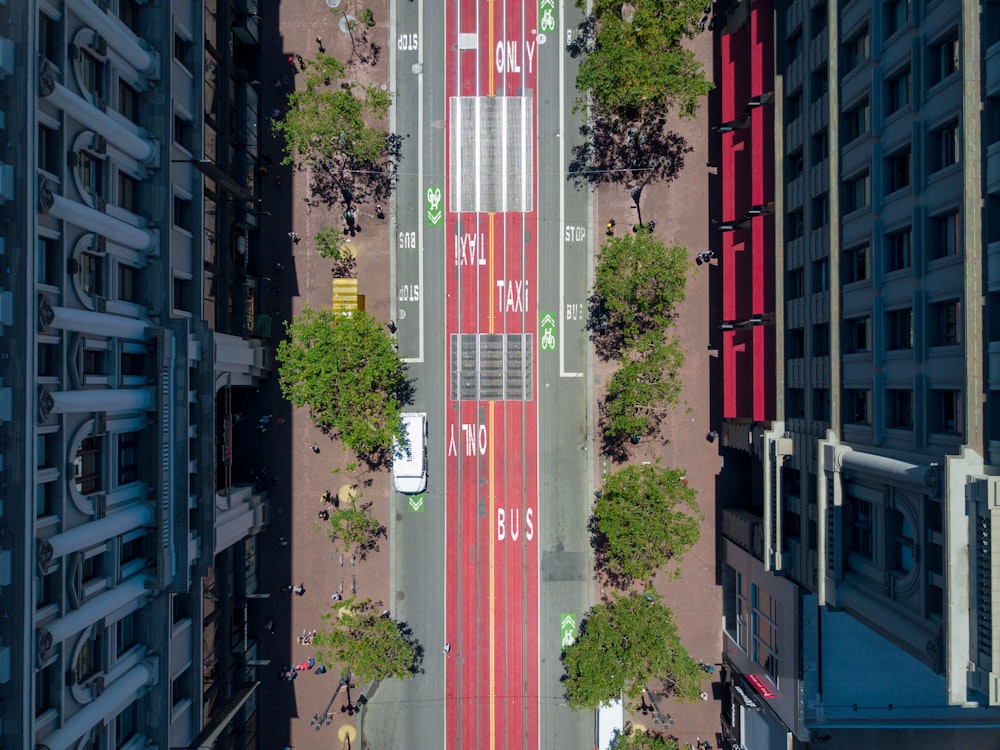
(91,611)
(118,36)
(99,324)
(115,698)
(99,399)
(131,140)
(94,532)
(92,220)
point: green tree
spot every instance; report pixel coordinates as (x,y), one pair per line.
(346,370)
(352,527)
(635,61)
(637,739)
(647,382)
(645,517)
(326,119)
(639,282)
(623,644)
(371,646)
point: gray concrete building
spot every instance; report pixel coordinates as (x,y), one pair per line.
(127,549)
(860,573)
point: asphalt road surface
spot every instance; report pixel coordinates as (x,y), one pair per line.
(490,279)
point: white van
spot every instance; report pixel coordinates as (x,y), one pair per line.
(409,462)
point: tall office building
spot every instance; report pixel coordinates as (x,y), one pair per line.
(861,198)
(127,328)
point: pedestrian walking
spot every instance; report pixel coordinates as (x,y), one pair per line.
(314,448)
(611,227)
(277,180)
(269,626)
(324,515)
(300,589)
(301,62)
(652,225)
(447,648)
(291,60)
(294,237)
(286,589)
(275,112)
(703,695)
(280,421)
(279,266)
(265,419)
(261,428)
(336,597)
(712,436)
(379,212)
(281,543)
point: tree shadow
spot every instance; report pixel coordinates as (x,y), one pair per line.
(609,341)
(627,150)
(583,42)
(602,566)
(335,179)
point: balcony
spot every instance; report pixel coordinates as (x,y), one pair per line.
(744,529)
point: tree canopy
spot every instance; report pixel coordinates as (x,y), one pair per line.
(326,120)
(637,739)
(646,517)
(352,527)
(635,61)
(647,382)
(346,370)
(623,644)
(639,282)
(371,646)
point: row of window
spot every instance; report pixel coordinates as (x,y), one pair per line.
(944,328)
(942,409)
(942,238)
(757,615)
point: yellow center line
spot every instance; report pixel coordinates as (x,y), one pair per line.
(492,498)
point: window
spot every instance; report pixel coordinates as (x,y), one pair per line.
(128,13)
(898,250)
(857,193)
(821,340)
(91,658)
(944,413)
(182,132)
(794,45)
(899,329)
(182,51)
(182,294)
(793,107)
(794,224)
(49,150)
(47,687)
(861,539)
(87,466)
(945,236)
(91,172)
(900,409)
(856,122)
(943,147)
(128,457)
(128,283)
(125,633)
(128,192)
(857,335)
(820,148)
(795,403)
(765,614)
(742,611)
(817,24)
(856,264)
(794,166)
(125,724)
(794,288)
(795,343)
(50,260)
(48,44)
(820,83)
(946,323)
(900,547)
(820,275)
(94,362)
(92,75)
(857,405)
(92,273)
(897,171)
(856,50)
(183,214)
(821,404)
(128,101)
(897,15)
(943,60)
(898,91)
(820,211)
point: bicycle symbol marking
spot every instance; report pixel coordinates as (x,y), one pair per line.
(548,340)
(548,23)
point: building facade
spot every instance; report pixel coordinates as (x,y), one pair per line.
(127,328)
(868,537)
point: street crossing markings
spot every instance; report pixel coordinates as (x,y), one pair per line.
(491,367)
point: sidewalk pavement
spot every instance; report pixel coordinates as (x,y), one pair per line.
(288,708)
(679,209)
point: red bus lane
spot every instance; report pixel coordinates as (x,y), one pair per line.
(491,317)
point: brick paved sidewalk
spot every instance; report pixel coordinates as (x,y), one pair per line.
(680,211)
(286,709)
